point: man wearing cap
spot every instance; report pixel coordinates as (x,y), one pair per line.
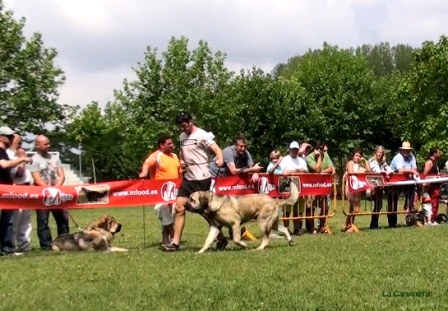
(292,164)
(6,216)
(403,163)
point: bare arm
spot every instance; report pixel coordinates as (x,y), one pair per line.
(219,155)
(367,165)
(407,171)
(61,177)
(11,163)
(275,166)
(38,181)
(318,166)
(234,171)
(428,167)
(145,168)
(328,170)
(349,167)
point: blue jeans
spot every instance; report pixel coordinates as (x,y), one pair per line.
(6,243)
(43,230)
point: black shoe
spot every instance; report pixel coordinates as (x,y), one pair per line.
(169,247)
(298,231)
(221,245)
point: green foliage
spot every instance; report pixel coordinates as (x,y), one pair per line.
(347,97)
(29,79)
(425,90)
(341,271)
(196,81)
(347,102)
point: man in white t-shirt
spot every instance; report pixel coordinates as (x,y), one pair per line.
(194,160)
(292,164)
(20,175)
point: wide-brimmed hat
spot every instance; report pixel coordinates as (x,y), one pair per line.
(405,146)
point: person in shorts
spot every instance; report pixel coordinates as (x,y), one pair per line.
(195,144)
(163,164)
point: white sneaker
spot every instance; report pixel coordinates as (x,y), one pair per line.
(275,236)
(427,224)
(435,223)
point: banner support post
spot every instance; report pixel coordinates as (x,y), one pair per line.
(144,226)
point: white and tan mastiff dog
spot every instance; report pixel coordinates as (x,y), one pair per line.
(233,211)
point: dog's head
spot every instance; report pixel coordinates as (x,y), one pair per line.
(108,223)
(202,201)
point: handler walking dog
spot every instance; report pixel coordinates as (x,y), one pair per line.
(232,211)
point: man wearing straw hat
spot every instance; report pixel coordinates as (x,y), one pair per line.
(403,163)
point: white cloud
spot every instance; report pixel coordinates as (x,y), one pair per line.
(99,41)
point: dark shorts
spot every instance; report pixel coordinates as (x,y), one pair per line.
(189,186)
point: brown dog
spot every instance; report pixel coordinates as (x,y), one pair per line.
(232,211)
(97,236)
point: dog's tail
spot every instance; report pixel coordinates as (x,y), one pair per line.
(293,195)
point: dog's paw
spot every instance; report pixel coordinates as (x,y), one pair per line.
(291,242)
(202,251)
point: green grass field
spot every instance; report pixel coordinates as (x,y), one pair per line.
(321,272)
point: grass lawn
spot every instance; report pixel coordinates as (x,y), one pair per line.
(321,272)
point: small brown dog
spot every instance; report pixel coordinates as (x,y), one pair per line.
(232,211)
(98,236)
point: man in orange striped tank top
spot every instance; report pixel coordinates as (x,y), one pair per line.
(163,164)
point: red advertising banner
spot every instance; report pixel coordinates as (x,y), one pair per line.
(358,182)
(150,192)
(275,185)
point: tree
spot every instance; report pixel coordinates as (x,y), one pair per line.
(385,60)
(29,79)
(196,81)
(348,104)
(425,92)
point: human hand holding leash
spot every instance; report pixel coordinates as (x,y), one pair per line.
(219,162)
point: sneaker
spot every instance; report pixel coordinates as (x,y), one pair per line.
(299,231)
(435,223)
(169,247)
(221,245)
(15,254)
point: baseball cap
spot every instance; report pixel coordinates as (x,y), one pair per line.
(4,130)
(294,145)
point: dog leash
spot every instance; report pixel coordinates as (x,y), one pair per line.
(74,221)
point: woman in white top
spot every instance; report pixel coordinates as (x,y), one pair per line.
(378,164)
(354,166)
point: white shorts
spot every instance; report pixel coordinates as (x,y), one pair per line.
(427,207)
(165,213)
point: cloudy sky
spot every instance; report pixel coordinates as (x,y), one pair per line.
(98,41)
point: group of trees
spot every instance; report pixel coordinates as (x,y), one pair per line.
(359,97)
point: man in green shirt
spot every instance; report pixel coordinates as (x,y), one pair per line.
(319,161)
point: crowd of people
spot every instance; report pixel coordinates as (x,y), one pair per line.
(198,170)
(42,169)
(193,165)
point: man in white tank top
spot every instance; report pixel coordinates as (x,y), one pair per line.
(194,160)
